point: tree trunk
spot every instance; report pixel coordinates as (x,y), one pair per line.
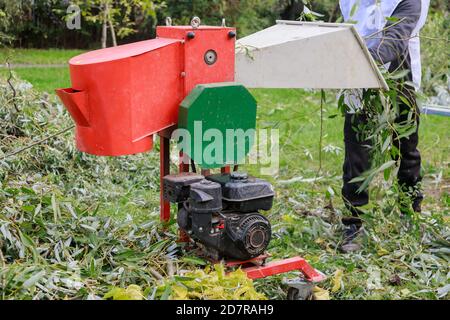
(113,31)
(293,10)
(335,14)
(105,25)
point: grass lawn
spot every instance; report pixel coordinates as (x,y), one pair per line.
(42,79)
(305,217)
(37,56)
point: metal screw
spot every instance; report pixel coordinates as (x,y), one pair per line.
(200,229)
(232,34)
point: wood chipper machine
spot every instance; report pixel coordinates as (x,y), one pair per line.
(191,76)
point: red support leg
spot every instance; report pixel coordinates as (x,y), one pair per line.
(283,266)
(164,170)
(206,172)
(183,167)
(226,169)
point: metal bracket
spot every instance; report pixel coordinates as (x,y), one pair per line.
(299,289)
(196,22)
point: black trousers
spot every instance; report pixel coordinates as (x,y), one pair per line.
(357,161)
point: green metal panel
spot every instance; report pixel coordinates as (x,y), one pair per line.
(220,119)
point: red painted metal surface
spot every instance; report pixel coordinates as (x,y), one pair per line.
(260,260)
(206,38)
(226,169)
(283,266)
(122,96)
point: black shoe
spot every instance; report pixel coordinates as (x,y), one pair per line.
(417,205)
(405,208)
(351,236)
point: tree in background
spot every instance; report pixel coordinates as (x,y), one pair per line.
(41,23)
(121,17)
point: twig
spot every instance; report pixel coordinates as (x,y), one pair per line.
(322,100)
(170,267)
(3,265)
(385,28)
(409,38)
(156,274)
(111,28)
(37,143)
(10,77)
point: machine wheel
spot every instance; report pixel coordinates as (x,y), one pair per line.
(296,294)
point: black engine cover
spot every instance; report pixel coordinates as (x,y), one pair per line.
(237,236)
(222,214)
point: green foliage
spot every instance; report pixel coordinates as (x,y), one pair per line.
(132,292)
(123,14)
(435,38)
(248,16)
(393,263)
(51,249)
(34,23)
(210,284)
(381,128)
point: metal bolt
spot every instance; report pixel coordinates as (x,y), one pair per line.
(200,229)
(210,57)
(191,35)
(183,74)
(232,34)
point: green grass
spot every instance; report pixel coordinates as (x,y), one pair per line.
(303,221)
(42,79)
(37,56)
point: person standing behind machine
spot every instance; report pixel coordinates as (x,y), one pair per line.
(390,29)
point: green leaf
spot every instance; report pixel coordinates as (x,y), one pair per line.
(167,292)
(387,174)
(386,144)
(399,74)
(33,280)
(132,292)
(393,19)
(194,260)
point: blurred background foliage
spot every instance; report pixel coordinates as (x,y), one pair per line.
(40,23)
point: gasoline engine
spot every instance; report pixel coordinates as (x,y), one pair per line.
(222,212)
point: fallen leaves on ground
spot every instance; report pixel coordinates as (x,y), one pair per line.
(210,284)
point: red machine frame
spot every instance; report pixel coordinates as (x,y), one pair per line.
(256,268)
